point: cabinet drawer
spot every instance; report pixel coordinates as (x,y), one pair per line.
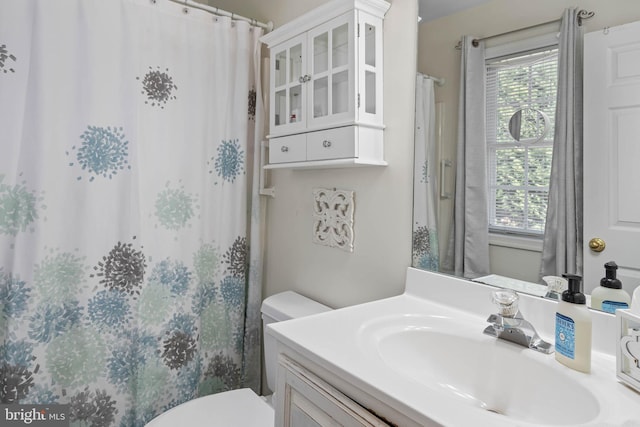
(338,143)
(288,149)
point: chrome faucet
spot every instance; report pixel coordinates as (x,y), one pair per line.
(508,324)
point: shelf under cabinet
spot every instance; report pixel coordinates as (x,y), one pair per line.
(326,164)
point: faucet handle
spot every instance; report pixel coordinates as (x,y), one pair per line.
(555,286)
(507,302)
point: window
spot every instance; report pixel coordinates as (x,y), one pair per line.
(519,168)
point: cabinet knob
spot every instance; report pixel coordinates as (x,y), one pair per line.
(326,143)
(284,148)
(304,79)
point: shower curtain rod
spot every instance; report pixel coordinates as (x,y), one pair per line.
(582,15)
(214,10)
(437,80)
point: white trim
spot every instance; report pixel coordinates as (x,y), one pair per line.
(533,244)
(322,14)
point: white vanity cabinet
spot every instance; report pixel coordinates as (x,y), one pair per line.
(310,394)
(325,90)
(309,401)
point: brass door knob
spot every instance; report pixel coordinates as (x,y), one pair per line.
(597,244)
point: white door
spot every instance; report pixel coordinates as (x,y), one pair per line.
(612,153)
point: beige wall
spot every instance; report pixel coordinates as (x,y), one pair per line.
(383,195)
(437,56)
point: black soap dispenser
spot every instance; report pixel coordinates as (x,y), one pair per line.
(610,296)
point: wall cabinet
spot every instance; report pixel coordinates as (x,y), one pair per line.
(325,94)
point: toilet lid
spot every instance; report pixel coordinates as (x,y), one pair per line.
(236,408)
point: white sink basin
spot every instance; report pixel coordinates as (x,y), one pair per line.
(421,359)
(480,371)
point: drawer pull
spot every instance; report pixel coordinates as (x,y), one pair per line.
(326,143)
(284,148)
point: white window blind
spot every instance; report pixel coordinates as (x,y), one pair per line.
(519,170)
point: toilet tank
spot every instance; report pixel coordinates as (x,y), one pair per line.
(277,308)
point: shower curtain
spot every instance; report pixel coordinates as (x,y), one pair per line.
(129,216)
(425,222)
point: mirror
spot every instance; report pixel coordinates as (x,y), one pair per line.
(529,125)
(511,263)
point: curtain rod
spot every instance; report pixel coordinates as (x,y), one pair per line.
(582,15)
(437,80)
(214,10)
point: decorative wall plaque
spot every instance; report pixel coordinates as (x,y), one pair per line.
(333,218)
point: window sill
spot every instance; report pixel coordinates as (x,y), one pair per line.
(516,242)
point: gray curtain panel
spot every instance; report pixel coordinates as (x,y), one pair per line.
(562,247)
(471,229)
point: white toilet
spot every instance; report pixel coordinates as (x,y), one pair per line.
(243,408)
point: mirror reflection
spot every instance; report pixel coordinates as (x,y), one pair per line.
(515,203)
(529,125)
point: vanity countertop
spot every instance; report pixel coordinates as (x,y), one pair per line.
(347,341)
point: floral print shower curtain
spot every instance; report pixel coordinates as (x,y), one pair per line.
(129,215)
(425,251)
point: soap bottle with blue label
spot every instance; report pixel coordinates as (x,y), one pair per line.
(573,327)
(610,296)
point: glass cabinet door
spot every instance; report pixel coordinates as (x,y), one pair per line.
(329,76)
(370,69)
(332,74)
(288,81)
